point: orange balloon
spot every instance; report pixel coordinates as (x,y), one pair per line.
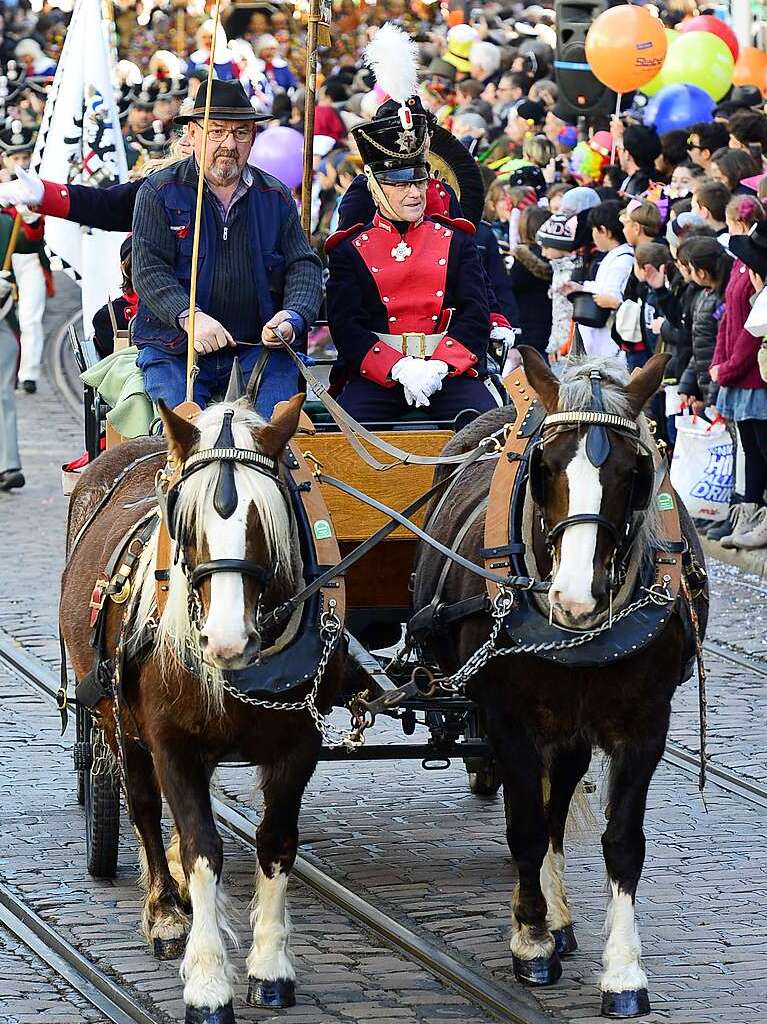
(626,47)
(751,68)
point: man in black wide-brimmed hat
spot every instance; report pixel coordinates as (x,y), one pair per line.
(258,281)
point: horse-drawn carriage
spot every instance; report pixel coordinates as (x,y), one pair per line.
(567,480)
(377,608)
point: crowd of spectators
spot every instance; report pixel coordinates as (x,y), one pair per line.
(612,237)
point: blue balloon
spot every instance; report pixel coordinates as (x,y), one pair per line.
(678,106)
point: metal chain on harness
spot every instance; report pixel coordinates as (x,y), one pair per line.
(330,631)
(502,605)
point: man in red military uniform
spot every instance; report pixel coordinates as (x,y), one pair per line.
(407,302)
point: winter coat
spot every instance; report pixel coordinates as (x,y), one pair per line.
(675,304)
(530,278)
(736,348)
(707,311)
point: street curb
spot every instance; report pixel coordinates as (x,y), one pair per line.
(754,562)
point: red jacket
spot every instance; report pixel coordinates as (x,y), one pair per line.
(736,348)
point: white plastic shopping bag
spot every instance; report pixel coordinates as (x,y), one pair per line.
(674,404)
(702,470)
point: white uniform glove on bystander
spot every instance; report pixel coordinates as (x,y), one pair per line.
(26,189)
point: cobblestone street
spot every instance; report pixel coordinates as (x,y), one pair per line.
(417,844)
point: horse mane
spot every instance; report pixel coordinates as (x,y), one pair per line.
(575,395)
(176,639)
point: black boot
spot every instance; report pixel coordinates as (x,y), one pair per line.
(10,479)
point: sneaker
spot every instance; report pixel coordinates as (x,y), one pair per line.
(743,520)
(757,535)
(30,386)
(723,529)
(10,479)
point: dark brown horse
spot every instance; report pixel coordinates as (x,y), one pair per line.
(235,557)
(585,530)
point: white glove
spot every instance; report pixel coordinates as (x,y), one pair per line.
(506,334)
(5,285)
(27,189)
(409,372)
(437,370)
(27,215)
(420,378)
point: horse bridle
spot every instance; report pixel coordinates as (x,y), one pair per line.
(225,499)
(598,449)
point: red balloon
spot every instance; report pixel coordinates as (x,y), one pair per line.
(708,23)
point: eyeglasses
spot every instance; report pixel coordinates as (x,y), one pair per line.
(692,145)
(403,186)
(219,134)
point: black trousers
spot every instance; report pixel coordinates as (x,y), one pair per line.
(753,437)
(370,403)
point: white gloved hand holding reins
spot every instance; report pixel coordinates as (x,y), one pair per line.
(25,189)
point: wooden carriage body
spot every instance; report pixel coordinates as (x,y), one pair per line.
(378,586)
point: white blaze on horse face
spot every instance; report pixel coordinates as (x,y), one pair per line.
(571,586)
(269,958)
(226,629)
(206,970)
(623,950)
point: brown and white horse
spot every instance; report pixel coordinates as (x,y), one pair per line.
(235,557)
(542,718)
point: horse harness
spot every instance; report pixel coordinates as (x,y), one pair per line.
(520,469)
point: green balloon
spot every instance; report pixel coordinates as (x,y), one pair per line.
(702,59)
(657,83)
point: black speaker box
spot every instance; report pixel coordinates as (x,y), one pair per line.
(580,93)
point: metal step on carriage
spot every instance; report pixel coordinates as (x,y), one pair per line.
(436,728)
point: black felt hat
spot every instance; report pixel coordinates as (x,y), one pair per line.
(228,102)
(144,100)
(17,139)
(751,249)
(154,141)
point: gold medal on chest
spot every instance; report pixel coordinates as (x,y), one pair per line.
(401,251)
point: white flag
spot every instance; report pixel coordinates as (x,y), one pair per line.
(80,143)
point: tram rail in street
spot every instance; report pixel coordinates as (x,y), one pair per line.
(503,1003)
(80,973)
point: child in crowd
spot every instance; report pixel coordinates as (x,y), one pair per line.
(709,202)
(710,269)
(530,276)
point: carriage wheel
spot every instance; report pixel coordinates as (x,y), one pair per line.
(102,819)
(82,752)
(484,777)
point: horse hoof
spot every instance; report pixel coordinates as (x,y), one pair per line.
(543,970)
(276,995)
(169,949)
(633,1003)
(565,942)
(204,1015)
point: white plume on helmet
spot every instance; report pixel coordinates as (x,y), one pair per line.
(393,57)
